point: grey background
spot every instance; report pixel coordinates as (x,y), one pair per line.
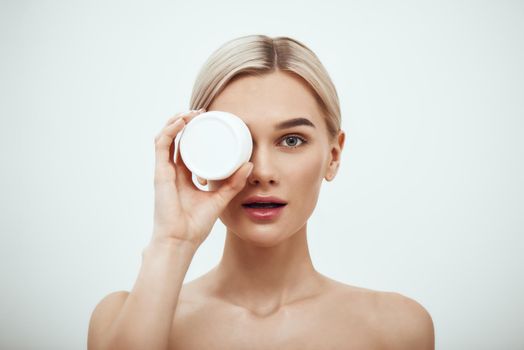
(428,201)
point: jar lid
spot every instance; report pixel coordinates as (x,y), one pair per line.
(214,144)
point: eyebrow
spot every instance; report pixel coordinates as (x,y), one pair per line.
(294,122)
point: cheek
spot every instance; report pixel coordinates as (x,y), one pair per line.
(304,179)
(302,172)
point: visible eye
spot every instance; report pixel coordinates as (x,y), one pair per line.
(294,140)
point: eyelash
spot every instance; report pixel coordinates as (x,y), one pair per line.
(303,140)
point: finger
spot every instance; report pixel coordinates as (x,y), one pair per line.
(183,171)
(173,130)
(163,163)
(184,174)
(234,184)
(174,118)
(186,115)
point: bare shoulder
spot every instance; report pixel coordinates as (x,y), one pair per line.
(103,315)
(404,322)
(399,321)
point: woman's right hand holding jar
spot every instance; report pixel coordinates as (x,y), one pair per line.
(183,213)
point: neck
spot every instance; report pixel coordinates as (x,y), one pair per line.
(264,279)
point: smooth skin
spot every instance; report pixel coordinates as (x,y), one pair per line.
(265,292)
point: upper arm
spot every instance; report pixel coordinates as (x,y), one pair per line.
(102,317)
(409,324)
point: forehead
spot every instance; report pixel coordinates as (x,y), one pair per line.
(268,99)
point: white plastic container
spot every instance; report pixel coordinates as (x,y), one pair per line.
(214,144)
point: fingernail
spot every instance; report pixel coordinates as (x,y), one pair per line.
(201,110)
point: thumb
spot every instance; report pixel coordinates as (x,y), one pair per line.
(232,185)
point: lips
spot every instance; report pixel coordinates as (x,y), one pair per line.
(263,202)
(264,209)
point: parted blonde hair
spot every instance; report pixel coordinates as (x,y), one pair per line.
(259,54)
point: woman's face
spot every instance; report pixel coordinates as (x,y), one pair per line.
(289,163)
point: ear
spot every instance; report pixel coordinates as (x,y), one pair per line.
(335,154)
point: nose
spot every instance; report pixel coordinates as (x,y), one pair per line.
(264,170)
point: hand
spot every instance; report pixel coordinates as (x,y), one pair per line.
(183,212)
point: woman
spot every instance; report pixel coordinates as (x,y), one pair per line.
(265,292)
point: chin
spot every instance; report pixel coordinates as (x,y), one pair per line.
(262,242)
(264,235)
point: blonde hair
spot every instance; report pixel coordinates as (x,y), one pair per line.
(260,54)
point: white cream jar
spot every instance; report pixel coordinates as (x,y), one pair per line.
(214,144)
